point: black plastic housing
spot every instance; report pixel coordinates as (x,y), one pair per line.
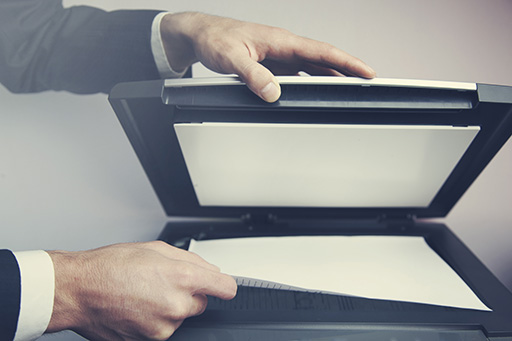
(148,110)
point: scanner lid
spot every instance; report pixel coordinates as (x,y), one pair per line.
(331,147)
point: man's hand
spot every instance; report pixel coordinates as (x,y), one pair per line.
(251,51)
(132,291)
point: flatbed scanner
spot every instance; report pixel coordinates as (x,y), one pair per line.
(334,156)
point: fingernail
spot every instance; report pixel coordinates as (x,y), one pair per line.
(371,71)
(270,92)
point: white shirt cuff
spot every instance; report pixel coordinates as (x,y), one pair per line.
(37,293)
(157,47)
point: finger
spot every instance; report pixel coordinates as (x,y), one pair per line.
(190,305)
(215,284)
(316,70)
(198,304)
(323,54)
(175,324)
(279,68)
(258,78)
(193,258)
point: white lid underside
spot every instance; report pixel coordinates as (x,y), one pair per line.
(320,165)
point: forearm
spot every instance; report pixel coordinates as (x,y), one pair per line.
(177,31)
(78,49)
(66,306)
(107,48)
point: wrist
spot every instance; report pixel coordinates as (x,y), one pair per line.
(68,281)
(177,32)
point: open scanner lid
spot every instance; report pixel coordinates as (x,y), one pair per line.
(331,147)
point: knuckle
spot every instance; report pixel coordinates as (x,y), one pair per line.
(280,32)
(156,244)
(198,259)
(202,306)
(178,310)
(160,332)
(187,275)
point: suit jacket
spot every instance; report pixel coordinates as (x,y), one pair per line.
(79,49)
(10,288)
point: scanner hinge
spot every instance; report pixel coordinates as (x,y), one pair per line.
(259,220)
(398,222)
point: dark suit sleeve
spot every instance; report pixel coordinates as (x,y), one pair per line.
(44,46)
(10,293)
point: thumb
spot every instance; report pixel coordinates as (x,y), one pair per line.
(259,80)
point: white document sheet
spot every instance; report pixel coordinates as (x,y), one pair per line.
(379,267)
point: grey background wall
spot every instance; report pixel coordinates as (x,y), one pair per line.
(70,180)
